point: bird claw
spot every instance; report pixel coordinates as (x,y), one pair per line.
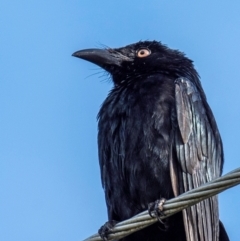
(106,229)
(155,209)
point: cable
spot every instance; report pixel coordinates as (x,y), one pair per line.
(172,206)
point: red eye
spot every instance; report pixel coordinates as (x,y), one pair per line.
(141,53)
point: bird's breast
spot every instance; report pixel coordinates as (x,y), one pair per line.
(134,136)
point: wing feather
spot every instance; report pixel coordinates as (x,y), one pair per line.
(199,155)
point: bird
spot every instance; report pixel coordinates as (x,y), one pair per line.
(157,138)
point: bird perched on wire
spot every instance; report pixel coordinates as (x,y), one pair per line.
(157,139)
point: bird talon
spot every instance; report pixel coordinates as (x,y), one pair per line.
(106,229)
(160,205)
(150,209)
(155,209)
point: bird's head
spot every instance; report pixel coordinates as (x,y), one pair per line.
(139,59)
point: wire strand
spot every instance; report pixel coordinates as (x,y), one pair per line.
(172,206)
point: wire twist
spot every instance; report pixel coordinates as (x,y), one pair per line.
(172,206)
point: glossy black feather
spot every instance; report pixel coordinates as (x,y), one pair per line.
(157,138)
(199,153)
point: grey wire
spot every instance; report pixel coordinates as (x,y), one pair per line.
(173,206)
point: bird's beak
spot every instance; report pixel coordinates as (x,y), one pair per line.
(102,57)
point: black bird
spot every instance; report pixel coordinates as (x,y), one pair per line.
(157,139)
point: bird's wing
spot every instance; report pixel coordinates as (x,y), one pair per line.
(197,158)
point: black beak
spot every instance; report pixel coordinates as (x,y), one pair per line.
(102,57)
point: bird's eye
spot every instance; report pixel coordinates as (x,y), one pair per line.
(141,53)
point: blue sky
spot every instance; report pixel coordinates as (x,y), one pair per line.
(49,175)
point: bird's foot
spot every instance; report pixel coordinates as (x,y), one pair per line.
(106,229)
(155,209)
